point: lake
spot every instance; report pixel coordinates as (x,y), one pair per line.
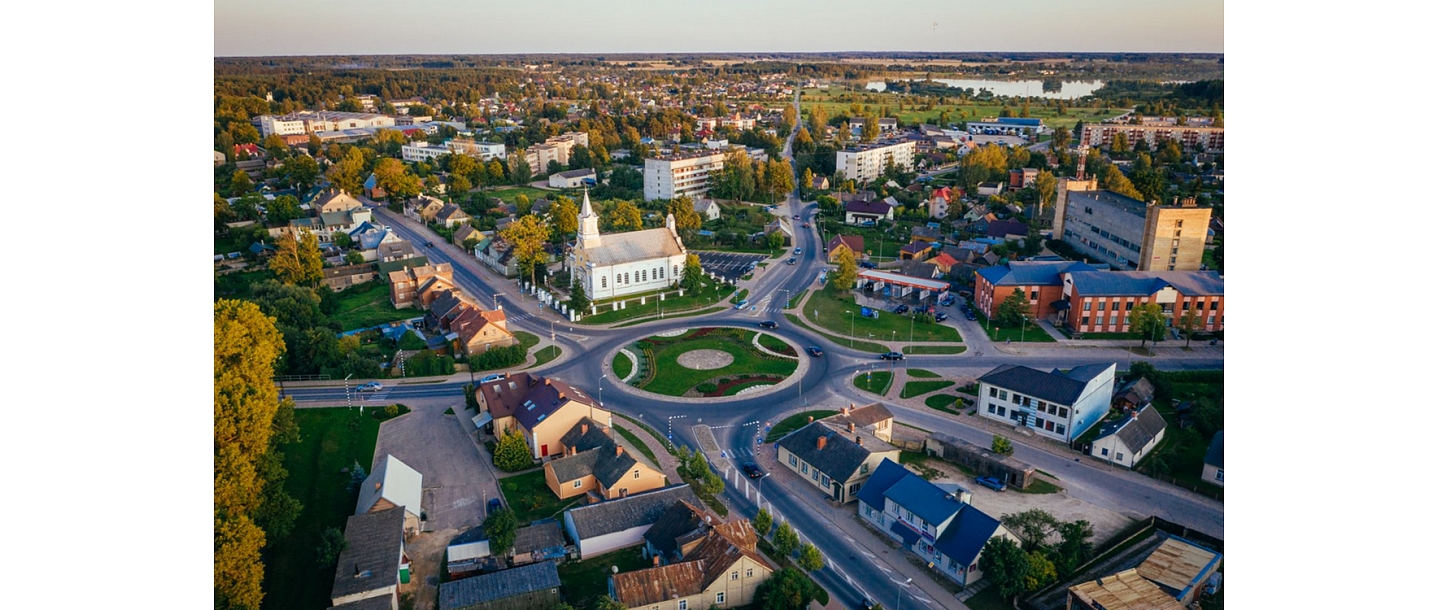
(1068,89)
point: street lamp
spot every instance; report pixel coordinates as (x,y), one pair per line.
(852,329)
(899,589)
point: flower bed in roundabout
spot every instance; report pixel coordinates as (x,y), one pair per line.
(711,361)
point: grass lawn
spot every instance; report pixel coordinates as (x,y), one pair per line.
(922,373)
(826,309)
(1039,486)
(687,314)
(706,296)
(1030,334)
(369,305)
(509,193)
(988,599)
(330,439)
(878,248)
(919,388)
(678,379)
(651,431)
(622,366)
(877,382)
(740,296)
(921,462)
(943,402)
(864,346)
(933,349)
(543,356)
(642,447)
(775,344)
(795,422)
(237,285)
(583,581)
(527,340)
(531,499)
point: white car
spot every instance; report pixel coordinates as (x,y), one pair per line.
(370,386)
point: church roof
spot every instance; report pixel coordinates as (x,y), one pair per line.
(618,248)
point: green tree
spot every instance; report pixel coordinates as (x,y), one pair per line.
(580,157)
(522,204)
(1033,527)
(527,236)
(817,121)
(846,271)
(500,528)
(354,258)
(1059,140)
(1005,565)
(578,300)
(283,209)
(1074,547)
(1120,144)
(301,171)
(332,543)
(1147,321)
(347,172)
(623,216)
(1188,323)
(810,558)
(807,179)
(397,181)
(804,142)
(1041,572)
(775,240)
(763,522)
(512,454)
(694,275)
(240,183)
(1013,310)
(786,540)
(553,167)
(786,589)
(459,184)
(687,220)
(519,169)
(298,260)
(1045,186)
(870,130)
(1000,445)
(564,216)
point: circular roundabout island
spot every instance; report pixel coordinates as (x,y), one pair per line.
(707,362)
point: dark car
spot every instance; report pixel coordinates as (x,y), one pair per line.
(493,506)
(797,217)
(892,356)
(902,309)
(991,482)
(970,315)
(791,261)
(769,324)
(815,351)
(753,471)
(867,264)
(942,316)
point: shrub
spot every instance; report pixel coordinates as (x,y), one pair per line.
(498,358)
(706,388)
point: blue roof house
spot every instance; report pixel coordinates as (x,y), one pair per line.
(929,521)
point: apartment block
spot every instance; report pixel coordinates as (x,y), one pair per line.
(866,162)
(1101,301)
(556,149)
(682,174)
(1129,234)
(1202,138)
(324,120)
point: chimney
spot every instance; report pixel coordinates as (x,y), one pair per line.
(656,563)
(810,419)
(820,442)
(852,426)
(377,486)
(584,429)
(857,440)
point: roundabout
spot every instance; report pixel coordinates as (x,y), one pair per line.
(710,362)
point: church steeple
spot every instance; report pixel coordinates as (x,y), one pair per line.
(589,225)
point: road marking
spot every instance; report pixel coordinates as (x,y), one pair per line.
(867,553)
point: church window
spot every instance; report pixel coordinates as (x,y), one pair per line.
(677,269)
(602,281)
(642,275)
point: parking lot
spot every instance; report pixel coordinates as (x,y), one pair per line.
(728,265)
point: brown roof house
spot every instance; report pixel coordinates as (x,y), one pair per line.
(855,243)
(424,208)
(406,284)
(451,215)
(334,200)
(470,328)
(593,463)
(720,570)
(873,419)
(543,409)
(833,457)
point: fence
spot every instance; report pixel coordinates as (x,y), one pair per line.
(302,378)
(1204,490)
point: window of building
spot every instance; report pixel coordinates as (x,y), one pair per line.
(1129,306)
(1184,305)
(749,572)
(1177,232)
(909,516)
(1004,394)
(1050,425)
(1034,294)
(684,604)
(677,269)
(719,598)
(1114,320)
(992,392)
(1064,413)
(1220,475)
(1026,401)
(825,481)
(577,484)
(1174,251)
(815,476)
(1015,399)
(1087,304)
(973,567)
(1179,223)
(1214,305)
(1210,321)
(1085,320)
(804,468)
(637,474)
(864,468)
(869,511)
(792,459)
(735,575)
(1119,456)
(602,281)
(1000,411)
(1104,451)
(992,407)
(1059,429)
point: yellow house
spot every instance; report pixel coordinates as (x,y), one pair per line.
(592,462)
(722,571)
(543,409)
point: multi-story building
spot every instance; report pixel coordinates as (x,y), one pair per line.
(422,151)
(483,151)
(682,174)
(406,283)
(865,163)
(317,121)
(1056,405)
(738,122)
(886,124)
(1201,138)
(1101,301)
(556,149)
(1127,233)
(1040,281)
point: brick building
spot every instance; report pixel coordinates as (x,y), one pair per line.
(1100,301)
(1042,280)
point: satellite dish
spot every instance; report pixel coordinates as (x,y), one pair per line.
(614,570)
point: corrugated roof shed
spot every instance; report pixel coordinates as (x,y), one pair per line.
(499,585)
(1124,591)
(1178,564)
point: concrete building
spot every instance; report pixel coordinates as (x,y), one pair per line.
(619,264)
(483,151)
(422,151)
(865,163)
(1130,234)
(556,149)
(574,178)
(1100,301)
(1200,138)
(318,121)
(1056,405)
(682,174)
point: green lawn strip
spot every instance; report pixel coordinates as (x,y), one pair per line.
(679,379)
(669,315)
(1111,336)
(237,285)
(922,373)
(933,349)
(831,308)
(621,365)
(653,306)
(642,447)
(919,388)
(795,422)
(943,402)
(531,499)
(660,438)
(1039,486)
(776,344)
(921,462)
(877,382)
(550,352)
(988,599)
(735,389)
(527,340)
(584,581)
(740,296)
(794,300)
(864,346)
(369,305)
(1031,333)
(330,439)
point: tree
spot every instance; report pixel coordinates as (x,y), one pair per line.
(687,220)
(846,272)
(804,142)
(1148,321)
(564,216)
(786,589)
(528,236)
(346,173)
(1120,144)
(554,167)
(500,528)
(694,275)
(301,171)
(1059,140)
(624,216)
(779,177)
(817,121)
(807,179)
(512,453)
(786,540)
(810,558)
(332,543)
(775,240)
(1045,186)
(1001,445)
(298,261)
(580,157)
(397,181)
(460,184)
(522,204)
(1188,323)
(870,130)
(842,136)
(1006,565)
(1074,547)
(787,116)
(354,258)
(240,183)
(283,209)
(1041,573)
(519,169)
(763,522)
(1033,527)
(1012,311)
(578,299)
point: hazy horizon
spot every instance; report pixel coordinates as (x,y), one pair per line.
(274,28)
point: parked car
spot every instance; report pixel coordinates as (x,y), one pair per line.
(490,378)
(753,471)
(815,351)
(867,265)
(769,324)
(370,386)
(892,356)
(742,304)
(970,315)
(902,308)
(941,317)
(806,225)
(991,482)
(492,506)
(797,217)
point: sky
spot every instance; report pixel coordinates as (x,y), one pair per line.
(375,27)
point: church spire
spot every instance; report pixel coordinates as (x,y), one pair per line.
(589,224)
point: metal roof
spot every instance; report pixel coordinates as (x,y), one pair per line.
(885,475)
(631,511)
(392,480)
(470,592)
(927,501)
(1146,283)
(1056,387)
(966,534)
(374,543)
(904,280)
(1215,455)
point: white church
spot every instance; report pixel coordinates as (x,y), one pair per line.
(621,264)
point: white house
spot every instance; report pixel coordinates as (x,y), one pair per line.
(574,178)
(622,522)
(619,264)
(1056,405)
(1214,471)
(708,209)
(392,484)
(1126,440)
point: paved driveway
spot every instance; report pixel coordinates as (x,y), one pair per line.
(729,265)
(457,480)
